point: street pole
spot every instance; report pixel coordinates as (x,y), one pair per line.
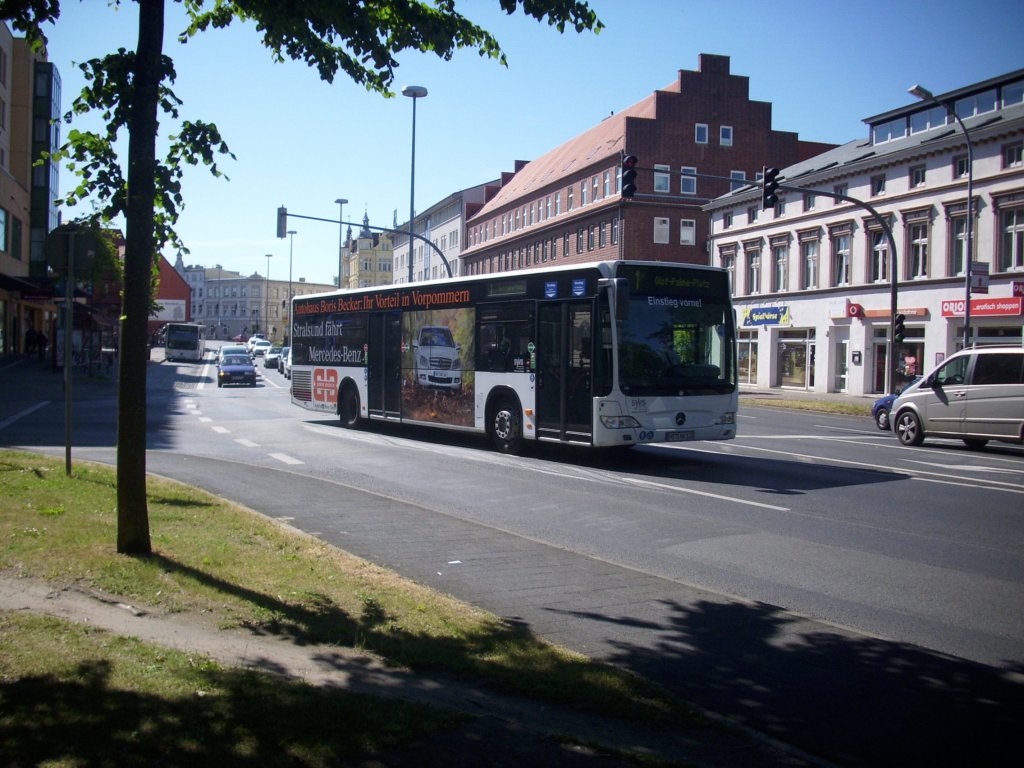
(341,237)
(266,302)
(925,95)
(291,249)
(414,92)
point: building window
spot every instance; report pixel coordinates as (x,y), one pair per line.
(841,260)
(727,220)
(753,271)
(780,208)
(661,230)
(1011,252)
(961,167)
(725,135)
(879,256)
(809,260)
(958,246)
(918,266)
(602,237)
(590,237)
(579,240)
(662,178)
(1012,155)
(976,104)
(780,268)
(565,245)
(878,185)
(894,129)
(594,189)
(569,200)
(729,265)
(752,213)
(843,190)
(917,176)
(558,204)
(583,192)
(1013,93)
(606,183)
(810,200)
(700,133)
(688,180)
(927,119)
(687,232)
(739,180)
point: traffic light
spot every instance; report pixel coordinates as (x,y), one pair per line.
(770,188)
(900,327)
(282,222)
(628,175)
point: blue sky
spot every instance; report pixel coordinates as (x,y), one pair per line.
(303,143)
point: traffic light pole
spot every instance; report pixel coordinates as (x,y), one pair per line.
(283,215)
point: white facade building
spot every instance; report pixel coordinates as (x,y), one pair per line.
(812,279)
(444,224)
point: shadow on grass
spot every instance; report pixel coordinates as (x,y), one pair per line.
(503,655)
(244,719)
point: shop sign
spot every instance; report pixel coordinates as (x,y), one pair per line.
(1018,288)
(766,316)
(1009,307)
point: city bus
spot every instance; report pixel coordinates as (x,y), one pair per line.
(184,341)
(614,353)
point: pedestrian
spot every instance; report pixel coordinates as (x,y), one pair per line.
(41,345)
(30,340)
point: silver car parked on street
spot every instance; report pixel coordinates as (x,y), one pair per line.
(975,395)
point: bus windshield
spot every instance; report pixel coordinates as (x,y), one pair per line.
(677,336)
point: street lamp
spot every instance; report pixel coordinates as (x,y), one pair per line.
(266,301)
(341,235)
(414,92)
(291,248)
(924,94)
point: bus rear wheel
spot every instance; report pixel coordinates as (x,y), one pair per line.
(348,406)
(505,427)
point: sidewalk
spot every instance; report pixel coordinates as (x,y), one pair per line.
(27,382)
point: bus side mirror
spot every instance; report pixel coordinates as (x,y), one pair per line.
(619,288)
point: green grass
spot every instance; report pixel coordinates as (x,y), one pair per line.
(243,570)
(822,406)
(72,696)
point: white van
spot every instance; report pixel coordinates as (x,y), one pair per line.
(975,395)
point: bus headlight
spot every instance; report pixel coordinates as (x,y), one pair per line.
(729,417)
(620,422)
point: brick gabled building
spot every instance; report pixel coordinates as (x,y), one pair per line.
(566,206)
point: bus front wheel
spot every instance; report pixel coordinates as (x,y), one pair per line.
(348,406)
(505,427)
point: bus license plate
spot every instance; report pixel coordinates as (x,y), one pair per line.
(676,437)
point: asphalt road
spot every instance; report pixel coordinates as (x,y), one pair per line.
(812,579)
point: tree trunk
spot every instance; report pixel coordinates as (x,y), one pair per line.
(140,246)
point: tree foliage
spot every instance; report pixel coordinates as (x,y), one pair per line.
(130,89)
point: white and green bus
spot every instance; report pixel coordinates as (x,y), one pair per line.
(615,353)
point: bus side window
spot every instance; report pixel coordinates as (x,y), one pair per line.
(504,333)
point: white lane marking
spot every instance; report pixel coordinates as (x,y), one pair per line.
(28,411)
(222,430)
(285,458)
(993,485)
(246,443)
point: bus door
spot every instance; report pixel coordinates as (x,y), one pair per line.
(565,371)
(384,364)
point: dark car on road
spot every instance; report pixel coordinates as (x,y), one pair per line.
(236,369)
